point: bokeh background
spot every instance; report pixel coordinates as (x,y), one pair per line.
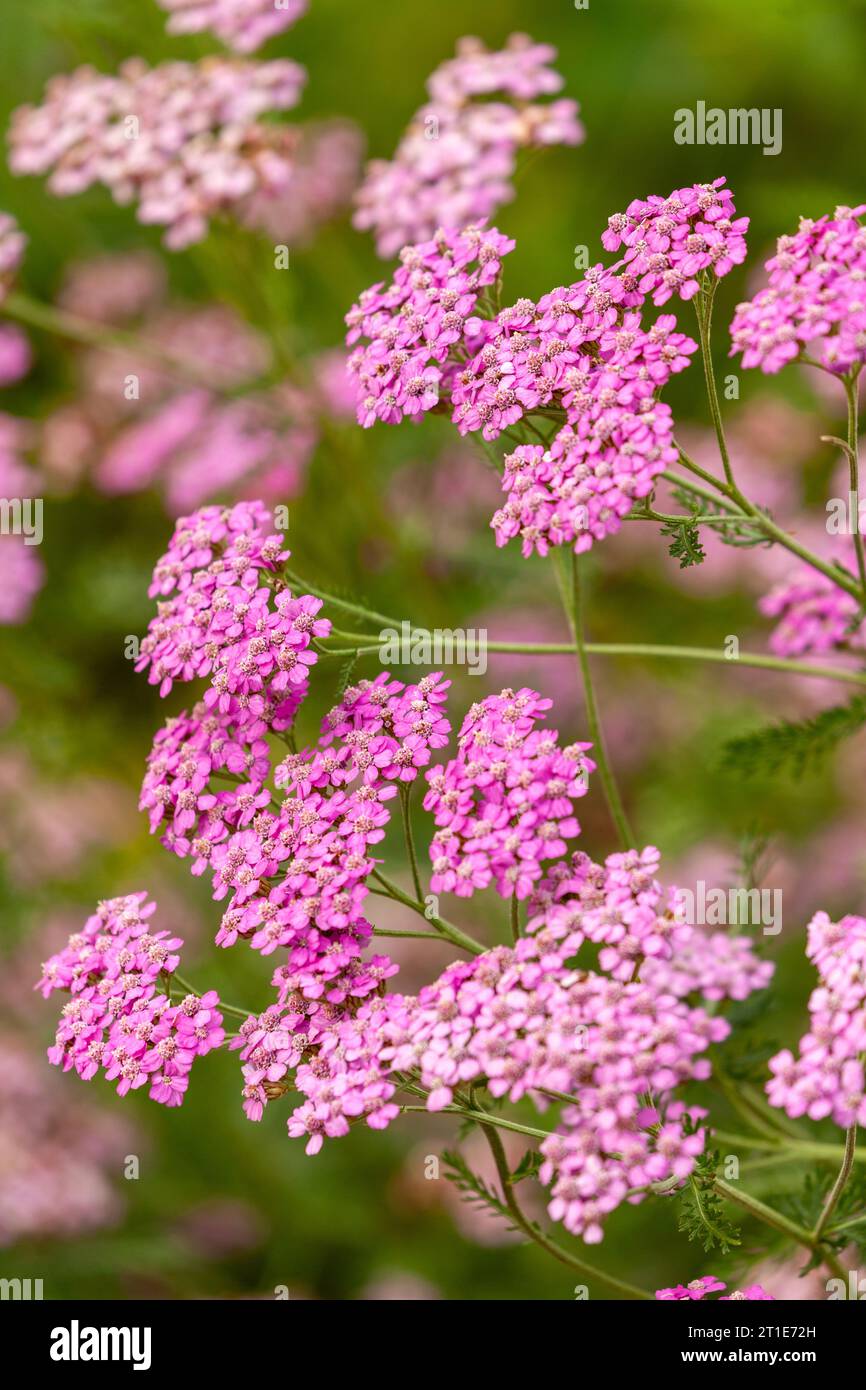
(398,518)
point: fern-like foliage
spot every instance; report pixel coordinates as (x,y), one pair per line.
(685,543)
(793,745)
(472,1188)
(701,1215)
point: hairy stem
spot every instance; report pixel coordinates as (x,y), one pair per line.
(839,1185)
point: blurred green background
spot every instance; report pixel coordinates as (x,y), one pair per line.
(223,1207)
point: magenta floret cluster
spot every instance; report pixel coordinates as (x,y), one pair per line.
(120,1019)
(582,357)
(405,331)
(456,161)
(504,805)
(523,1021)
(243,25)
(182,140)
(815,301)
(669,242)
(826,1079)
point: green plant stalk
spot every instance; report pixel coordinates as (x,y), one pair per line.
(704,314)
(514,915)
(839,1185)
(568,576)
(851,394)
(662,652)
(729,487)
(533,1232)
(775,1219)
(445,928)
(410,841)
(806,1148)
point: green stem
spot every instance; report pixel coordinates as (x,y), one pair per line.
(515,918)
(851,392)
(416,935)
(770,1217)
(445,928)
(806,1148)
(708,494)
(405,794)
(758,660)
(533,1232)
(482,1116)
(572,600)
(836,573)
(839,1185)
(759,1123)
(704,313)
(846,1225)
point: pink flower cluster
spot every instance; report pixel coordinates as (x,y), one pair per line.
(183,140)
(698,1289)
(504,805)
(581,355)
(714,965)
(317,851)
(670,242)
(16,356)
(116,1020)
(526,1023)
(617,437)
(12,246)
(243,25)
(406,331)
(815,300)
(455,163)
(827,1078)
(815,615)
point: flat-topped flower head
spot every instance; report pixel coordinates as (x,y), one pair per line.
(670,242)
(406,330)
(120,1018)
(815,299)
(504,805)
